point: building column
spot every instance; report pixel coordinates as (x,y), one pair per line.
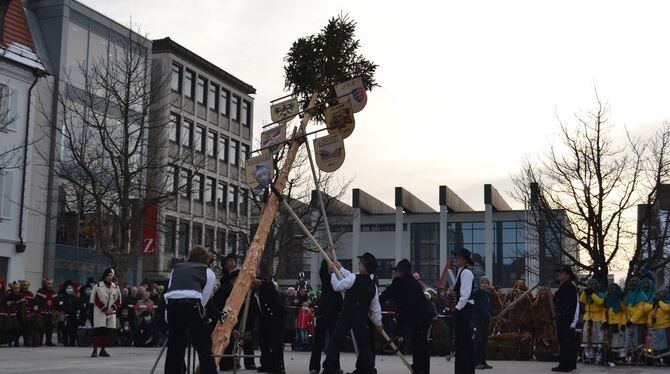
(356,238)
(488,240)
(398,233)
(444,251)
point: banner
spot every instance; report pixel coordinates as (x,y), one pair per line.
(149,229)
(354,91)
(259,172)
(329,152)
(340,118)
(273,139)
(284,111)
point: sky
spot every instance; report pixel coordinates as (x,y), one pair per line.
(468,88)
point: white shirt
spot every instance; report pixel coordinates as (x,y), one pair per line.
(193,294)
(347,282)
(466,287)
(574,320)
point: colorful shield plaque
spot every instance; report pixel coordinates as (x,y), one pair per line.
(284,110)
(329,152)
(273,139)
(354,91)
(259,172)
(340,118)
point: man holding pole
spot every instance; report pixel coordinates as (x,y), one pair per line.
(361,300)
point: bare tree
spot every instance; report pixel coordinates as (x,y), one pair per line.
(585,185)
(9,155)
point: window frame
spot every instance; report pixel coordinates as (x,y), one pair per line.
(201,92)
(225,109)
(215,99)
(189,92)
(197,186)
(222,201)
(210,196)
(223,150)
(246,116)
(174,119)
(180,77)
(236,157)
(236,108)
(233,204)
(212,152)
(189,133)
(186,192)
(201,143)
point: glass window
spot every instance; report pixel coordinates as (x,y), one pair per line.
(234,157)
(97,54)
(223,149)
(469,235)
(189,84)
(171,181)
(176,77)
(202,90)
(244,155)
(246,113)
(244,201)
(220,241)
(184,236)
(236,108)
(185,184)
(75,62)
(232,242)
(213,95)
(199,138)
(173,128)
(197,234)
(197,187)
(425,251)
(209,238)
(186,131)
(210,191)
(232,199)
(221,194)
(225,101)
(211,143)
(509,253)
(170,236)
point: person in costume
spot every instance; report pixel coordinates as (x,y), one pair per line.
(106,300)
(29,316)
(593,301)
(67,318)
(639,304)
(13,302)
(4,321)
(465,282)
(45,299)
(566,307)
(615,325)
(660,323)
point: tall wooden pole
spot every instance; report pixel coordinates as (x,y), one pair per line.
(221,334)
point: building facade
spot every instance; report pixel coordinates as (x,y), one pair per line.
(653,233)
(211,124)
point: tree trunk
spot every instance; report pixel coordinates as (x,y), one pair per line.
(221,334)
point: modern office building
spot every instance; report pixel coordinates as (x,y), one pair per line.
(22,75)
(211,123)
(653,233)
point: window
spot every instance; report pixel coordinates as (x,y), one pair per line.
(173,128)
(225,102)
(244,201)
(197,187)
(185,184)
(210,191)
(232,242)
(236,108)
(425,250)
(232,199)
(246,113)
(170,236)
(212,98)
(509,252)
(234,157)
(244,155)
(189,84)
(197,234)
(171,180)
(221,194)
(184,236)
(77,42)
(202,91)
(211,144)
(220,241)
(186,131)
(199,139)
(176,77)
(209,238)
(6,184)
(223,149)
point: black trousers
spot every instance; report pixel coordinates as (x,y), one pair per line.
(420,348)
(481,337)
(356,321)
(184,317)
(464,348)
(271,342)
(68,330)
(567,344)
(325,325)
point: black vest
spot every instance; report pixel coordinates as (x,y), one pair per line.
(188,276)
(457,286)
(360,295)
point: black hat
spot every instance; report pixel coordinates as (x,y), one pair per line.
(67,283)
(403,266)
(465,254)
(230,256)
(566,269)
(369,261)
(106,273)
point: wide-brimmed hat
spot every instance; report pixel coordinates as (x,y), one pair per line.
(370,262)
(465,254)
(403,266)
(568,270)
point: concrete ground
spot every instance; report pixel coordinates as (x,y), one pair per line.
(62,360)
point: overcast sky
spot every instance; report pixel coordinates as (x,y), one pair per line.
(468,88)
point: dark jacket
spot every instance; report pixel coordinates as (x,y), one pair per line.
(565,302)
(411,303)
(482,310)
(330,301)
(271,304)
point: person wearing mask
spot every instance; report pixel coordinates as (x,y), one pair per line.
(45,299)
(593,301)
(615,329)
(360,301)
(327,312)
(481,318)
(29,316)
(106,300)
(189,289)
(413,310)
(67,321)
(566,307)
(465,281)
(13,303)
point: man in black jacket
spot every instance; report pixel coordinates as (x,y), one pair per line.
(414,310)
(481,317)
(567,312)
(272,320)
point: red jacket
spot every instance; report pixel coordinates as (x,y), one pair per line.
(46,299)
(304,320)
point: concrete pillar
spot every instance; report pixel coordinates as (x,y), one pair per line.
(444,251)
(356,238)
(488,240)
(398,233)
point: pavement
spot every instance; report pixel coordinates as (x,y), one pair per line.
(62,360)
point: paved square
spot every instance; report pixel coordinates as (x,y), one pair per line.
(62,360)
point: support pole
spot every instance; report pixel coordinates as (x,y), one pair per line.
(237,350)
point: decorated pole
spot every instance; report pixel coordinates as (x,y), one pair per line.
(221,334)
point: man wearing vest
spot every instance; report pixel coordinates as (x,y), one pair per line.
(189,289)
(465,281)
(361,299)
